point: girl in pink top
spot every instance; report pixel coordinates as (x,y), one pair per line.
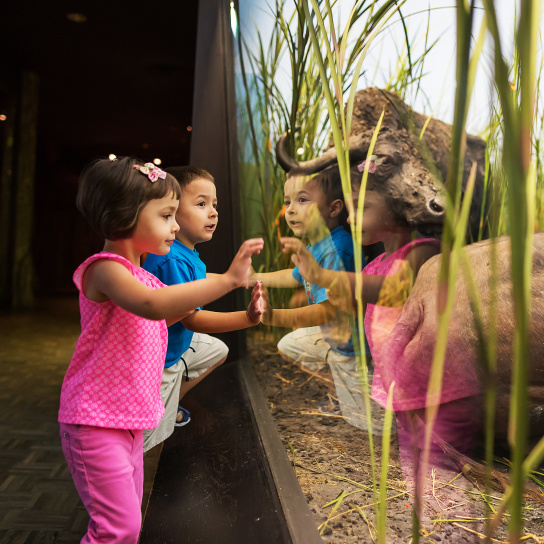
(110,393)
(387,281)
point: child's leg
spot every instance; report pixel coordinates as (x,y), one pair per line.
(305,347)
(350,393)
(107,468)
(204,355)
(346,383)
(170,384)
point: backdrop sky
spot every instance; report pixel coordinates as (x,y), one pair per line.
(438,85)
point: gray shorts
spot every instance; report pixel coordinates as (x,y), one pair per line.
(307,347)
(205,351)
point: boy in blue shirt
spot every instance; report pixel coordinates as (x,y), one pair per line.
(315,211)
(191,354)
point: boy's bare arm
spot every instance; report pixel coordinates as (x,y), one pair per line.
(210,322)
(215,322)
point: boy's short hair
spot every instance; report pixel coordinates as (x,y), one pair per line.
(330,183)
(187,174)
(113,193)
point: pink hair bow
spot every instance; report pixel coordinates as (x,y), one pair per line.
(151,171)
(373,162)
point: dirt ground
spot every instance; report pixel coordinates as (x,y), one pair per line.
(332,460)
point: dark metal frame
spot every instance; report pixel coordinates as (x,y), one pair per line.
(214,144)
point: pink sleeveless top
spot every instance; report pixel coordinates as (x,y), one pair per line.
(115,373)
(380,320)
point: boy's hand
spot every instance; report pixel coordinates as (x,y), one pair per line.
(301,257)
(268,311)
(238,270)
(256,307)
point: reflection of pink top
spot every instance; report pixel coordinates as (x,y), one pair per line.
(115,374)
(380,320)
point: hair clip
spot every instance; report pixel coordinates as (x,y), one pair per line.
(151,171)
(373,162)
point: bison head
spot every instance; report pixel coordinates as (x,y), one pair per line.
(412,169)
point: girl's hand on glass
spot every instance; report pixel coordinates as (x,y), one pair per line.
(302,258)
(239,268)
(256,306)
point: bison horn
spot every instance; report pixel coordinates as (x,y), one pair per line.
(312,166)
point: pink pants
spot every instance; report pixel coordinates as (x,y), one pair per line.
(457,423)
(107,468)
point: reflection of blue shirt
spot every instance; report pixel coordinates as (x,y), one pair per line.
(333,252)
(180,265)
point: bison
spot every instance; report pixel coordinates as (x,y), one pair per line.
(415,331)
(412,169)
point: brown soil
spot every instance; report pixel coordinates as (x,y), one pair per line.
(331,458)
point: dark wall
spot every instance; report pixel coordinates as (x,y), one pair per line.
(121,82)
(129,82)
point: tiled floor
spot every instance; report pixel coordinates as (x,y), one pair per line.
(38,501)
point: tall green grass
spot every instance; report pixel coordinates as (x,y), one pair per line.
(266,110)
(332,56)
(520,171)
(455,224)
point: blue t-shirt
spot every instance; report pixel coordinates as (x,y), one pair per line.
(333,252)
(179,265)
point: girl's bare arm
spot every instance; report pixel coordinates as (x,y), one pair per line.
(278,278)
(109,280)
(373,289)
(307,316)
(175,319)
(215,322)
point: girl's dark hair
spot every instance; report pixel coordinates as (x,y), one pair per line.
(330,183)
(112,194)
(187,174)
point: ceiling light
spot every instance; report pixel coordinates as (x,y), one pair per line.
(112,157)
(157,161)
(76,17)
(233,20)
